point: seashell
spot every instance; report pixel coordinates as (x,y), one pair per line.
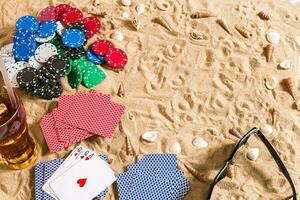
(136,23)
(202,14)
(175,148)
(288,82)
(125,15)
(163,5)
(160,20)
(273,37)
(118,35)
(140,8)
(200,176)
(274,114)
(298,104)
(130,150)
(131,116)
(200,143)
(269,52)
(253,154)
(263,16)
(224,25)
(96,3)
(195,35)
(235,133)
(121,91)
(294,1)
(110,160)
(266,129)
(271,82)
(286,64)
(126,2)
(149,136)
(243,31)
(230,170)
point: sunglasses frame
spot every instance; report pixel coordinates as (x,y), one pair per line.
(222,173)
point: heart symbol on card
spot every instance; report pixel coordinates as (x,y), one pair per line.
(81,182)
(87,158)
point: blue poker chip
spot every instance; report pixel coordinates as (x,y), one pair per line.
(98,60)
(23,35)
(23,50)
(73,38)
(28,22)
(47,29)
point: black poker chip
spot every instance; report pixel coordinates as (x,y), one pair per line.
(58,65)
(27,78)
(74,53)
(46,73)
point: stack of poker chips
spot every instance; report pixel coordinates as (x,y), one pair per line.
(58,30)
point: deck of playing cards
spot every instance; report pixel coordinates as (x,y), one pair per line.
(78,117)
(81,176)
(155,176)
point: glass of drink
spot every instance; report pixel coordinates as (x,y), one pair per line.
(17,148)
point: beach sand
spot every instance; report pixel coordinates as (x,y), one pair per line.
(183,88)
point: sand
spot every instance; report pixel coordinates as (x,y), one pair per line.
(184,88)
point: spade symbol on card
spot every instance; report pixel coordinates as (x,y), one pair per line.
(81,182)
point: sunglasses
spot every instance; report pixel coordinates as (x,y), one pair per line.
(222,173)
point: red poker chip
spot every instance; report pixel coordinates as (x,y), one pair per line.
(48,13)
(116,58)
(61,9)
(92,24)
(101,47)
(71,16)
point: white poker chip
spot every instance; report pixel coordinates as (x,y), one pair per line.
(44,40)
(7,49)
(60,28)
(44,52)
(33,63)
(14,69)
(8,61)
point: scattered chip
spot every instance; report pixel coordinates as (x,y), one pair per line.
(93,78)
(47,29)
(116,58)
(101,47)
(23,50)
(44,52)
(28,22)
(71,15)
(58,65)
(27,78)
(61,9)
(48,13)
(98,60)
(73,38)
(92,25)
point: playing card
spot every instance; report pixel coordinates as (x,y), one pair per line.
(97,115)
(84,180)
(39,181)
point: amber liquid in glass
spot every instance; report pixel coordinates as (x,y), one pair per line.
(17,148)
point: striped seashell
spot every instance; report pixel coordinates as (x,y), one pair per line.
(235,133)
(136,23)
(269,52)
(263,16)
(288,82)
(195,35)
(243,31)
(161,21)
(130,150)
(200,176)
(163,5)
(121,91)
(230,170)
(253,154)
(224,25)
(96,3)
(274,114)
(202,14)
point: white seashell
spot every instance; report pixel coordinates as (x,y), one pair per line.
(253,154)
(126,2)
(273,37)
(149,136)
(175,148)
(125,15)
(294,1)
(286,64)
(163,5)
(271,82)
(140,8)
(118,35)
(200,143)
(266,129)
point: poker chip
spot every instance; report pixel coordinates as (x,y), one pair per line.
(60,28)
(47,29)
(26,77)
(98,60)
(73,38)
(48,13)
(92,78)
(92,24)
(74,53)
(75,78)
(71,15)
(101,47)
(28,22)
(23,35)
(61,9)
(58,65)
(13,70)
(44,52)
(8,61)
(6,50)
(23,50)
(33,63)
(44,40)
(116,58)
